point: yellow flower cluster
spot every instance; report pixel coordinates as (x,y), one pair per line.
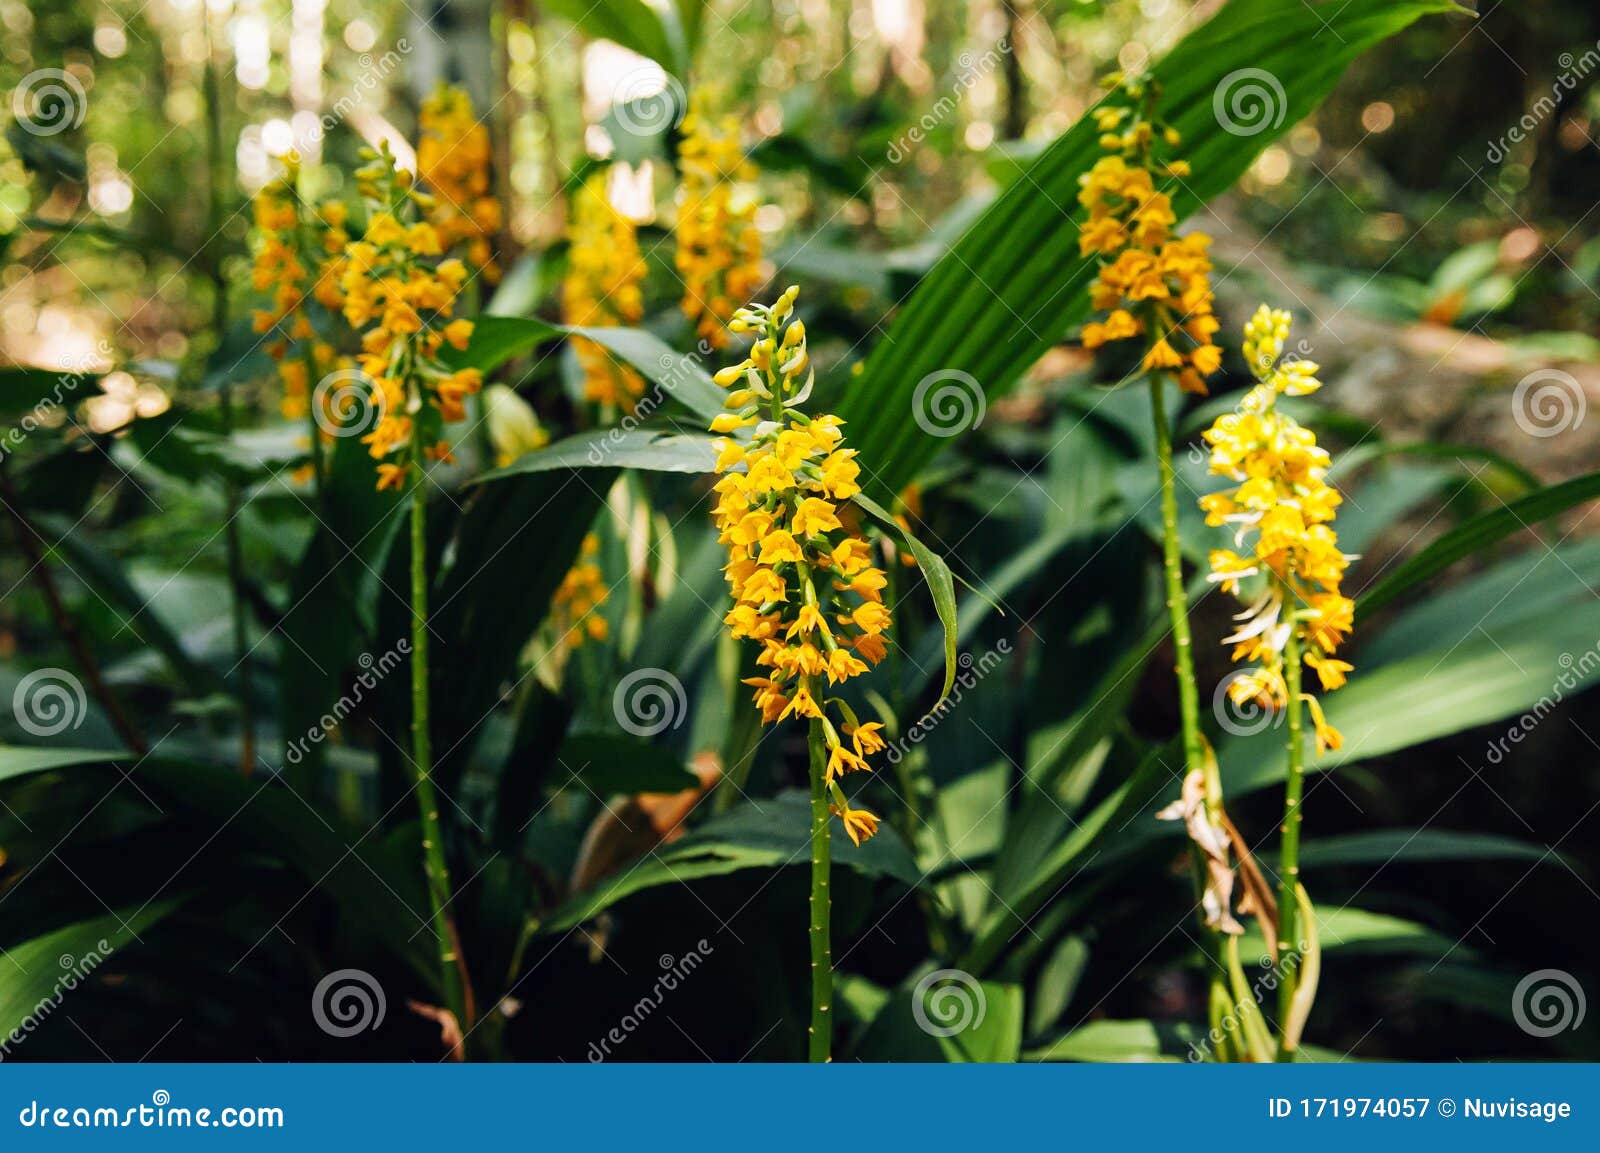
(401,297)
(289,239)
(719,248)
(455,158)
(1284,507)
(804,585)
(573,615)
(601,289)
(1150,283)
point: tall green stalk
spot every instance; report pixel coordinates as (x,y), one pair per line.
(821,1032)
(1289,859)
(216,164)
(1219,998)
(438,871)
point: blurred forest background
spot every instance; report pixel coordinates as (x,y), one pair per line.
(1432,255)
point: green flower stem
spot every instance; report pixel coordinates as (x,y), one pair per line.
(821,1032)
(1188,693)
(1289,860)
(438,872)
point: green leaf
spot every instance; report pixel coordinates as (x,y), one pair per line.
(24,391)
(1015,284)
(766,834)
(44,971)
(1477,534)
(1383,846)
(1119,1041)
(941,584)
(496,339)
(630,23)
(946,1015)
(639,448)
(609,764)
(1350,930)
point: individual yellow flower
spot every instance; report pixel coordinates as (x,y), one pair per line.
(1150,283)
(719,247)
(455,158)
(402,301)
(803,584)
(1283,508)
(601,290)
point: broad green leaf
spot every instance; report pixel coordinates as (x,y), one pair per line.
(25,392)
(1120,1041)
(497,339)
(44,971)
(766,834)
(946,1015)
(1479,533)
(610,764)
(941,584)
(1350,930)
(648,449)
(1382,846)
(630,23)
(1015,284)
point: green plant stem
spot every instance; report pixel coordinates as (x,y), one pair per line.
(821,1032)
(1289,859)
(438,871)
(1188,693)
